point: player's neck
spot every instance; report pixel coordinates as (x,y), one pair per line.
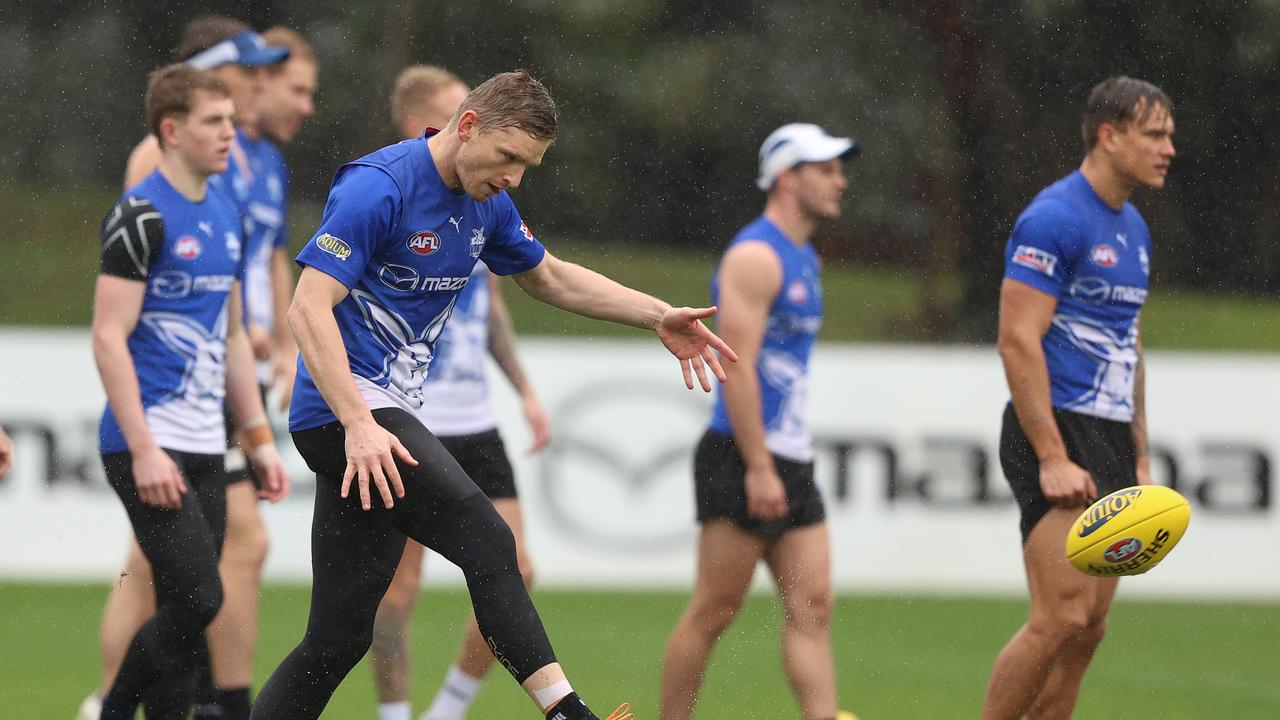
(189,182)
(250,130)
(795,224)
(1109,185)
(444,153)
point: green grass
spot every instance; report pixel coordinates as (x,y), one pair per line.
(51,260)
(898,657)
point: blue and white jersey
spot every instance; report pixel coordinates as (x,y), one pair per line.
(790,332)
(256,177)
(406,246)
(189,254)
(1096,261)
(456,393)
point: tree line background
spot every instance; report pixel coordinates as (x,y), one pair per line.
(965,108)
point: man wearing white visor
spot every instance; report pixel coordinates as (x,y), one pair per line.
(753,469)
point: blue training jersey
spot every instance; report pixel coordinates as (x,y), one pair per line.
(1096,261)
(257,179)
(189,254)
(791,330)
(456,393)
(405,245)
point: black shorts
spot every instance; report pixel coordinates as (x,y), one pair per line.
(1103,447)
(484,457)
(718,471)
(238,469)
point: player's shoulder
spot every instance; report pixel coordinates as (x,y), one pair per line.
(131,211)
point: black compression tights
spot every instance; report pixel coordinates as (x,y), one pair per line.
(354,554)
(183,547)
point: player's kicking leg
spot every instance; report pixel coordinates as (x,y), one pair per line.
(355,553)
(1065,626)
(727,557)
(462,680)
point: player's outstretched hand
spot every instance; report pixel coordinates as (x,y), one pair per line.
(157,479)
(269,469)
(371,456)
(1065,483)
(693,344)
(538,423)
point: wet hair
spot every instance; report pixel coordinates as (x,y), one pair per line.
(514,100)
(299,48)
(205,32)
(171,91)
(416,85)
(1119,101)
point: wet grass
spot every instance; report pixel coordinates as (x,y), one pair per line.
(897,657)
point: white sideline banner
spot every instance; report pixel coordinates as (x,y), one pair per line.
(908,464)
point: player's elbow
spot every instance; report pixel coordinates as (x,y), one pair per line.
(1013,345)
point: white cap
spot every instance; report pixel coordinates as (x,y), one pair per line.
(796,143)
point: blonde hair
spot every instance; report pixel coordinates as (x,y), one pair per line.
(514,99)
(415,86)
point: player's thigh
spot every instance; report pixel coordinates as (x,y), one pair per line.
(727,558)
(800,562)
(1060,594)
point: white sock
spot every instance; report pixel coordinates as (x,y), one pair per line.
(454,697)
(394,711)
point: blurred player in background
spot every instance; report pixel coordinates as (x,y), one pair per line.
(1076,276)
(256,75)
(753,468)
(402,231)
(169,345)
(457,410)
(6,453)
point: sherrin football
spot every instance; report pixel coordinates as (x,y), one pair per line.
(1128,532)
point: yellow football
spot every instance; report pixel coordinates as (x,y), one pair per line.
(1129,531)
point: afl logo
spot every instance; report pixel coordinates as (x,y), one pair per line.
(1123,550)
(187,248)
(1103,255)
(424,243)
(797,292)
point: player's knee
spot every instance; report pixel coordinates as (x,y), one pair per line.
(526,570)
(810,611)
(202,605)
(494,552)
(715,613)
(397,604)
(247,544)
(1062,624)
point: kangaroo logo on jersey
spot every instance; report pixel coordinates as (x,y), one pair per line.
(334,246)
(203,350)
(1103,255)
(477,242)
(424,243)
(187,248)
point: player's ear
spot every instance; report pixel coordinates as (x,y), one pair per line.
(1107,136)
(168,126)
(468,125)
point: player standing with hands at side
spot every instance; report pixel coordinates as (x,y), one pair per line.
(379,280)
(753,469)
(169,345)
(1076,275)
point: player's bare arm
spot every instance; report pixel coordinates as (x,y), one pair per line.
(284,362)
(117,305)
(1025,315)
(502,346)
(750,279)
(144,159)
(371,450)
(1141,450)
(585,292)
(254,434)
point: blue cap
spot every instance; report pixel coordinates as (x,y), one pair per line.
(248,49)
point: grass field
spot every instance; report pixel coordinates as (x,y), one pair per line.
(899,658)
(51,261)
